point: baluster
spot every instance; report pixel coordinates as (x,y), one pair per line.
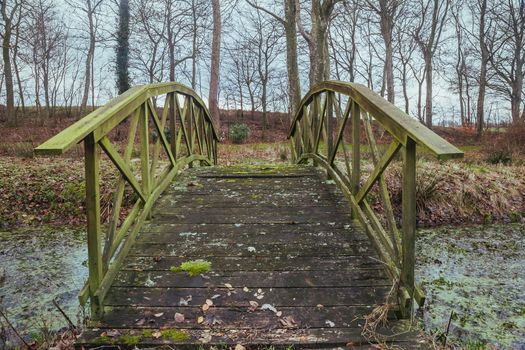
(173,128)
(409,222)
(144,149)
(356,150)
(329,127)
(92,168)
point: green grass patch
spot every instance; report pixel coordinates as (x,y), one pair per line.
(193,267)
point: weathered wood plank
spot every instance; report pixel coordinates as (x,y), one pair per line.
(258,263)
(254,279)
(278,297)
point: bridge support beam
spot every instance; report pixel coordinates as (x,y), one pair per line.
(92,169)
(407,279)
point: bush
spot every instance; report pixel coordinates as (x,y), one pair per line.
(239,133)
(499,154)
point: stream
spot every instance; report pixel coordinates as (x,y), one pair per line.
(473,276)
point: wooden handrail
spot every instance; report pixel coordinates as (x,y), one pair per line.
(320,111)
(193,139)
(399,124)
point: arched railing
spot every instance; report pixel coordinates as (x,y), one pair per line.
(333,111)
(191,137)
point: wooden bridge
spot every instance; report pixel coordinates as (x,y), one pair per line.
(290,254)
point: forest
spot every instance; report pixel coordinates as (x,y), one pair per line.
(262,174)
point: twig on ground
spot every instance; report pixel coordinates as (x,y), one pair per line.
(13,328)
(448,328)
(71,324)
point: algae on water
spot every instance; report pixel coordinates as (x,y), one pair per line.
(193,267)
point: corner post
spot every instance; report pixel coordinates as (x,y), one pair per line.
(356,150)
(92,171)
(407,279)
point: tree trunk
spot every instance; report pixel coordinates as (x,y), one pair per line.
(480,112)
(215,62)
(8,73)
(428,97)
(294,84)
(123,83)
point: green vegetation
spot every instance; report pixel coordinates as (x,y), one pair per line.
(175,334)
(102,340)
(239,133)
(130,340)
(193,267)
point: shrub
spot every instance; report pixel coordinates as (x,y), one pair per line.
(239,133)
(500,154)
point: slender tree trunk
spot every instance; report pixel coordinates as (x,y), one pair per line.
(123,83)
(428,97)
(215,62)
(294,84)
(8,73)
(480,112)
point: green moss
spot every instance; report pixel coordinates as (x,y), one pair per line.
(193,267)
(129,339)
(175,334)
(147,333)
(102,340)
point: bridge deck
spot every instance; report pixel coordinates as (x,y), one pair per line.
(280,238)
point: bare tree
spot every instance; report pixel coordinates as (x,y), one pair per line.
(289,23)
(431,15)
(508,60)
(317,38)
(8,13)
(122,50)
(213,99)
(387,12)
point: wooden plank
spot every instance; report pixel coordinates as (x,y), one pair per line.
(258,263)
(278,297)
(234,318)
(254,279)
(278,338)
(241,249)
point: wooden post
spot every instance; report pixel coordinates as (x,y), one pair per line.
(330,96)
(144,149)
(409,222)
(92,169)
(356,150)
(173,123)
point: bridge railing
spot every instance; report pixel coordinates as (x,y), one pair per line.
(191,137)
(333,111)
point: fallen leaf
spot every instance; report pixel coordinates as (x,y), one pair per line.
(279,313)
(140,322)
(246,289)
(239,347)
(159,314)
(156,334)
(205,307)
(179,317)
(209,302)
(200,319)
(288,322)
(227,285)
(216,296)
(330,323)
